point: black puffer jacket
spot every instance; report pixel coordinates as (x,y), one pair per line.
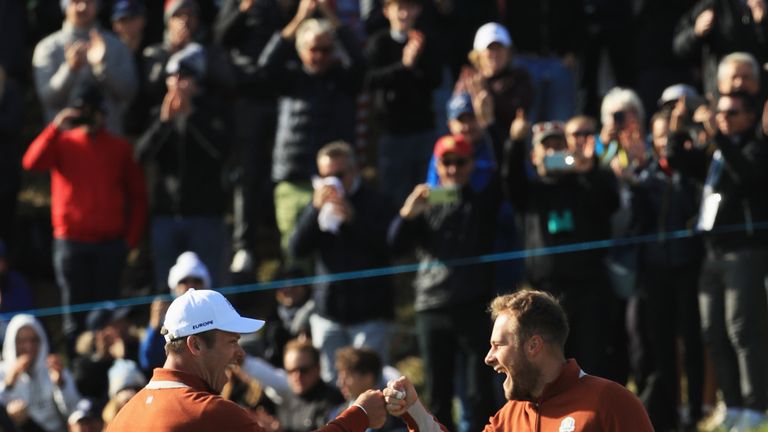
(313,109)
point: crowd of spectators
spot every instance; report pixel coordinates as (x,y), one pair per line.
(341,136)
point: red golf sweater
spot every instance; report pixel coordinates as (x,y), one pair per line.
(97,189)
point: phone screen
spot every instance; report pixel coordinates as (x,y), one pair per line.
(443,195)
(558,161)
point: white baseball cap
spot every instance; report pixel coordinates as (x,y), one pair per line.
(489,33)
(197,311)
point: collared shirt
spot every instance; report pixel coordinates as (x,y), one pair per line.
(176,401)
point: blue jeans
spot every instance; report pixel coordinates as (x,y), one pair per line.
(328,336)
(204,235)
(734,319)
(86,272)
(554,88)
(403,162)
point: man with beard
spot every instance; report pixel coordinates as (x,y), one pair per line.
(544,390)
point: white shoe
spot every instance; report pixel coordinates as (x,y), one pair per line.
(750,420)
(242,262)
(723,420)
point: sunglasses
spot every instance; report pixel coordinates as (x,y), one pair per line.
(730,112)
(338,174)
(322,49)
(582,133)
(457,162)
(301,370)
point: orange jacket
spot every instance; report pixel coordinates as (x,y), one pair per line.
(574,402)
(176,401)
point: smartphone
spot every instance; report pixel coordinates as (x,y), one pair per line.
(618,119)
(443,195)
(559,161)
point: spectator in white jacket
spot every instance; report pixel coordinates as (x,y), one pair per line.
(34,386)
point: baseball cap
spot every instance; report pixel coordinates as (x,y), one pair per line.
(197,311)
(675,92)
(170,7)
(489,33)
(544,130)
(85,409)
(127,8)
(452,144)
(189,61)
(460,104)
(87,95)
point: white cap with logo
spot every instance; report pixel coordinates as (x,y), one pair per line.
(197,311)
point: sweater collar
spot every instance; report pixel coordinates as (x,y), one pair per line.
(193,381)
(569,377)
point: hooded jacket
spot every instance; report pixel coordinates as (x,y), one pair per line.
(47,404)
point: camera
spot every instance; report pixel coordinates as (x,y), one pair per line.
(618,119)
(85,117)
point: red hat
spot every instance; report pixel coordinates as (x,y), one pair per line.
(170,7)
(453,144)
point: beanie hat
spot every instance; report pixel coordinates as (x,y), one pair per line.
(188,264)
(172,6)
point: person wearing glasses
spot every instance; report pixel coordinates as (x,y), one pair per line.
(344,229)
(479,131)
(441,224)
(732,295)
(567,199)
(309,400)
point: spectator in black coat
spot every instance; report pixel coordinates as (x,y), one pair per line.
(345,229)
(403,72)
(451,299)
(316,101)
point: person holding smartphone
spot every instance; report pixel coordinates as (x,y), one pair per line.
(344,229)
(98,201)
(451,300)
(559,204)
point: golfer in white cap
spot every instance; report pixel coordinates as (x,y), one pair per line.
(202,330)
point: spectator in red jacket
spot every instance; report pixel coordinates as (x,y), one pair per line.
(98,201)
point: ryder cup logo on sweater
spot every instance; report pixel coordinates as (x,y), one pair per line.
(567,425)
